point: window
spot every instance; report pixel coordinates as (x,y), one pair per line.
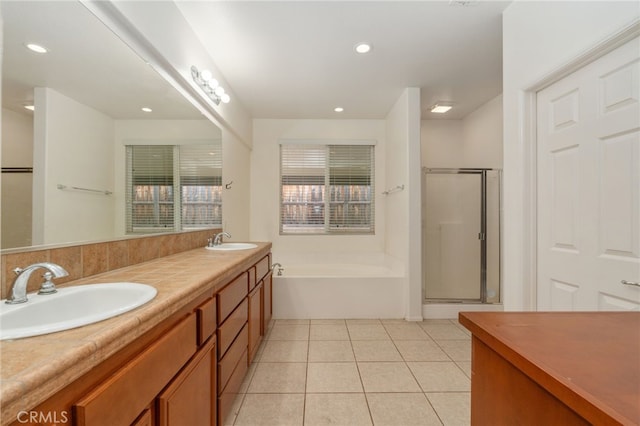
(326,189)
(164,179)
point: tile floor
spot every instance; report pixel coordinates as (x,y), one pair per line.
(358,372)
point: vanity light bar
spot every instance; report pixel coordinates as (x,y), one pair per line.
(210,86)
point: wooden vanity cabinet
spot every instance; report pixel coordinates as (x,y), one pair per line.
(126,394)
(554,368)
(187,370)
(173,381)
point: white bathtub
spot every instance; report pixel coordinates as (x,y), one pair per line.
(332,270)
(319,287)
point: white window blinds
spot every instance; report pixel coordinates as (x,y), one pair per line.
(200,185)
(150,188)
(163,179)
(327,189)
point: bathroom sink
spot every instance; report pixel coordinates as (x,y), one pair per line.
(232,246)
(71,307)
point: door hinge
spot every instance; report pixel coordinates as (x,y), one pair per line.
(482,236)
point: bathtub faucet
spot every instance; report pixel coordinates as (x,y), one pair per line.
(279,268)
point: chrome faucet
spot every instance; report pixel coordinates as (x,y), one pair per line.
(19,288)
(218,238)
(279,268)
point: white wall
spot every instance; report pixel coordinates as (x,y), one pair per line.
(73,146)
(403,220)
(17,151)
(442,143)
(538,38)
(482,136)
(152,132)
(473,142)
(265,189)
(236,203)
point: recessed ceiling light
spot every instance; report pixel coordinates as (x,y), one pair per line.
(363,48)
(36,48)
(146,109)
(441,108)
(338,109)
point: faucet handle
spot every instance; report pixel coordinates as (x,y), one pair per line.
(47,287)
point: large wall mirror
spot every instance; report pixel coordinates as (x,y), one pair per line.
(66,167)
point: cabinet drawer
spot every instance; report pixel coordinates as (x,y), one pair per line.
(122,397)
(262,268)
(228,396)
(228,363)
(206,320)
(252,277)
(230,296)
(228,331)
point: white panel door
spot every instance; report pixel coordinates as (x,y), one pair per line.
(588,142)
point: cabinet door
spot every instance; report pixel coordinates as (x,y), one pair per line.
(207,320)
(267,306)
(127,393)
(145,419)
(255,319)
(190,399)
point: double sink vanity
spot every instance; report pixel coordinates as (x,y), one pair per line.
(179,357)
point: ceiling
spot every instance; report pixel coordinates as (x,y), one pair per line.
(282,59)
(296,59)
(86,62)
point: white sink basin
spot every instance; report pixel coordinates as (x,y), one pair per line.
(71,307)
(232,246)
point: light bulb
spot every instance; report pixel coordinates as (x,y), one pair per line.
(225,98)
(37,48)
(219,91)
(362,48)
(206,75)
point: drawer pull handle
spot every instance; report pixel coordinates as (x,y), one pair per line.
(625,282)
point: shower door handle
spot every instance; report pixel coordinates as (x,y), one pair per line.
(625,282)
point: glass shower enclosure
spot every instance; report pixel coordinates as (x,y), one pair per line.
(461,235)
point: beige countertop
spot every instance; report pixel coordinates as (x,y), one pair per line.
(35,368)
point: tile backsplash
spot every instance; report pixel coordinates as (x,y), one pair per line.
(84,260)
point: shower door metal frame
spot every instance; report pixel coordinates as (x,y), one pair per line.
(482,235)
